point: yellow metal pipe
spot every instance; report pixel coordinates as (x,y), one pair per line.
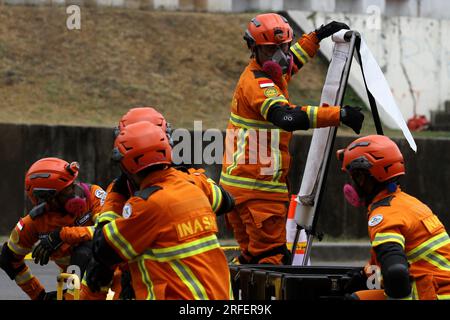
(65,277)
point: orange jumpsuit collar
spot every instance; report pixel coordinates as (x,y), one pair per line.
(155,177)
(383,194)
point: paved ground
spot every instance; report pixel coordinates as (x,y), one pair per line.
(46,274)
(323,254)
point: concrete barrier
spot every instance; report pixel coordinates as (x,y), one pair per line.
(21,145)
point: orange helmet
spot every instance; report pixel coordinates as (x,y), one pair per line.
(143,114)
(377,154)
(268,28)
(48,176)
(141,145)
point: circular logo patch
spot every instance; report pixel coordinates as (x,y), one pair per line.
(270,92)
(375,220)
(101,195)
(126,212)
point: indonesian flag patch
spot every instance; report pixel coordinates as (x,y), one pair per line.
(19,225)
(266,83)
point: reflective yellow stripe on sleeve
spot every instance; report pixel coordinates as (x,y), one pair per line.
(106,216)
(270,102)
(118,241)
(312,116)
(216,195)
(381,238)
(91,230)
(24,276)
(300,53)
(17,249)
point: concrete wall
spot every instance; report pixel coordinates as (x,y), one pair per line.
(414,54)
(21,145)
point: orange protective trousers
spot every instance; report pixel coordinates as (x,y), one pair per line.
(259,226)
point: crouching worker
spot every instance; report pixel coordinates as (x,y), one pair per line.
(120,189)
(409,243)
(167,231)
(59,226)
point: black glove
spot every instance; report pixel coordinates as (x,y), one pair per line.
(127,292)
(121,186)
(357,280)
(98,275)
(327,30)
(51,295)
(48,244)
(352,117)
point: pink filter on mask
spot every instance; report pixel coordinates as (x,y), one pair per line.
(76,206)
(273,70)
(352,196)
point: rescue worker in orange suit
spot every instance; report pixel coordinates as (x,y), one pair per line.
(168,229)
(119,191)
(409,243)
(62,222)
(263,118)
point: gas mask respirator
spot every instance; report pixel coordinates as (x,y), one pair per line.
(77,205)
(284,60)
(352,196)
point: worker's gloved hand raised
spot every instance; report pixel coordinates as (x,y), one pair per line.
(352,117)
(327,30)
(49,243)
(98,275)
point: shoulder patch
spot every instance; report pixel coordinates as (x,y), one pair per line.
(147,192)
(264,83)
(101,194)
(127,211)
(38,210)
(385,202)
(375,220)
(271,92)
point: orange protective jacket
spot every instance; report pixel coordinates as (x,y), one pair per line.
(400,218)
(169,240)
(206,184)
(114,201)
(74,230)
(257,159)
(113,207)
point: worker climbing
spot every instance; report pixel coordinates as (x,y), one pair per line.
(261,122)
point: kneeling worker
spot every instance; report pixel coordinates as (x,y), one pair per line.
(409,242)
